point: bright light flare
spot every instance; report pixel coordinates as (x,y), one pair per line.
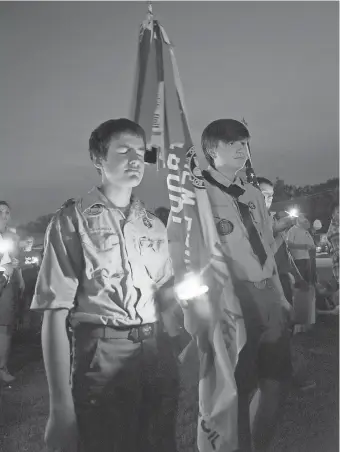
(6,246)
(293,213)
(191,287)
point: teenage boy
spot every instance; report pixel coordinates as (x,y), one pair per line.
(244,227)
(105,259)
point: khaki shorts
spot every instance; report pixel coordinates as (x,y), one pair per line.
(266,354)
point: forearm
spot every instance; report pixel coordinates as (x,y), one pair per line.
(277,284)
(56,353)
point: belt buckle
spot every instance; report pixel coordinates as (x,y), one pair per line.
(260,284)
(146,331)
(138,334)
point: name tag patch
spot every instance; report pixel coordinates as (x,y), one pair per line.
(225,227)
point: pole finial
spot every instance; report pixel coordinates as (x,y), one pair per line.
(150,8)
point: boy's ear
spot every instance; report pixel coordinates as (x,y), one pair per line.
(97,162)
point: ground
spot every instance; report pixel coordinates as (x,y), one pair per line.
(309,424)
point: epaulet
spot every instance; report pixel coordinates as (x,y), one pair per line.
(70,202)
(56,216)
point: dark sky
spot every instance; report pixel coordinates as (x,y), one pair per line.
(65,67)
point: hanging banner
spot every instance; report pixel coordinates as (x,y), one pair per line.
(215,321)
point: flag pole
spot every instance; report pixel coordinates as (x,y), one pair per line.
(150,12)
(250,173)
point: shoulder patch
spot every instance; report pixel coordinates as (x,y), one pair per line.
(94,210)
(197,179)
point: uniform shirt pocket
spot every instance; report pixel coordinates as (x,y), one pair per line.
(154,254)
(100,239)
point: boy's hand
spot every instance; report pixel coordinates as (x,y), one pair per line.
(61,432)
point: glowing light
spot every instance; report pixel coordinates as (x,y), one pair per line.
(293,213)
(191,287)
(6,246)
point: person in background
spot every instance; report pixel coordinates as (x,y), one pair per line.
(29,263)
(105,261)
(280,227)
(300,244)
(7,297)
(281,223)
(243,224)
(333,240)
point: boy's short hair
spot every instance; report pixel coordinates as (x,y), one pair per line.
(225,130)
(264,180)
(5,203)
(102,136)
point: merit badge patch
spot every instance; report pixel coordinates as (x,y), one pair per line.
(147,222)
(225,227)
(95,210)
(197,179)
(251,205)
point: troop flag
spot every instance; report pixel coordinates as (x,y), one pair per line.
(215,320)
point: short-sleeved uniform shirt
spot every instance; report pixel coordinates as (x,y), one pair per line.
(299,236)
(102,266)
(242,262)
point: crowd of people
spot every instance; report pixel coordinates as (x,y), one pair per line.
(103,289)
(19,265)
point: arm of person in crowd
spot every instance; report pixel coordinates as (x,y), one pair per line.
(282,225)
(268,230)
(54,294)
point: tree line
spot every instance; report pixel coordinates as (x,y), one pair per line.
(315,201)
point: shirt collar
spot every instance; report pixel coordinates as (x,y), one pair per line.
(219,177)
(95,196)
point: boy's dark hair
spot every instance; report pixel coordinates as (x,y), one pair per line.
(4,203)
(101,137)
(264,180)
(225,130)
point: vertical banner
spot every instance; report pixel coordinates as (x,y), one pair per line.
(216,320)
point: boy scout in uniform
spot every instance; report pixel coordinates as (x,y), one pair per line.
(244,228)
(105,258)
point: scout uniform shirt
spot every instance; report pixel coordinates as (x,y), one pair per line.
(243,264)
(102,266)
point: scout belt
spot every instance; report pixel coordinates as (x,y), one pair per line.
(135,333)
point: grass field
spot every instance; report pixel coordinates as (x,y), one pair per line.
(309,424)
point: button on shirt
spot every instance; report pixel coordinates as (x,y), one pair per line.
(299,236)
(102,266)
(243,264)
